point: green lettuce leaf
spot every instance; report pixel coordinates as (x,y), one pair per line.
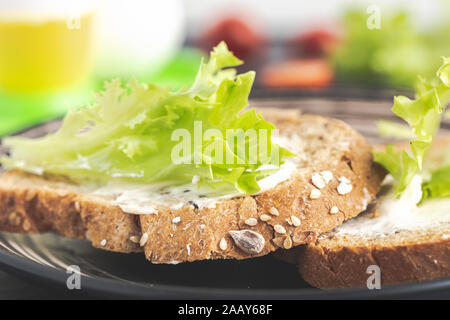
(135,132)
(423,116)
(438,186)
(394,54)
(444,72)
(400,165)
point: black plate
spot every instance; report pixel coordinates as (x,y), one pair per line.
(45,257)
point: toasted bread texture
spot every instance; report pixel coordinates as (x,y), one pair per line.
(247,226)
(406,256)
(338,260)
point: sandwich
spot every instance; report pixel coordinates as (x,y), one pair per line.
(406,231)
(198,174)
(147,169)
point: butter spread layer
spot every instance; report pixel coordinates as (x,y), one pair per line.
(399,214)
(144,199)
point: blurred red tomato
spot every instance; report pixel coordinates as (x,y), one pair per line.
(242,39)
(316,42)
(300,73)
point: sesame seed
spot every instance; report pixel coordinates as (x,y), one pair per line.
(143,240)
(77,206)
(176,220)
(315,194)
(223,244)
(279,229)
(344,188)
(274,211)
(103,243)
(265,217)
(188,248)
(134,239)
(287,243)
(327,176)
(26,225)
(334,210)
(318,181)
(295,221)
(251,222)
(344,180)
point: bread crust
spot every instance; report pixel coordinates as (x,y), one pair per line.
(203,233)
(404,257)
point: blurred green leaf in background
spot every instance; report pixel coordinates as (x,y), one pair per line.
(392,55)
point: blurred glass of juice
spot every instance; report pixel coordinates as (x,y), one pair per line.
(46,54)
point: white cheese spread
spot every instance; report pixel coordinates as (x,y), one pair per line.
(395,214)
(144,198)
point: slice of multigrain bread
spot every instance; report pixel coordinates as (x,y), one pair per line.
(242,227)
(338,259)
